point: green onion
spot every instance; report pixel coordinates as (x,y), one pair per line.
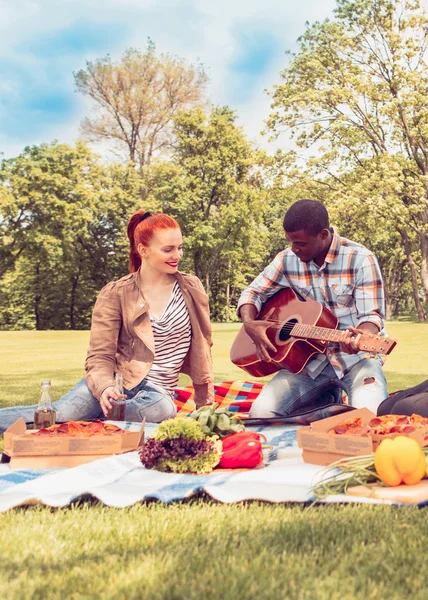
(347,472)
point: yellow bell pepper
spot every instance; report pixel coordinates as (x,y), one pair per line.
(400,460)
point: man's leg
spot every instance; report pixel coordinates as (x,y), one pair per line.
(287,392)
(365,384)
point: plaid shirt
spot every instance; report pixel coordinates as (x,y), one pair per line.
(349,284)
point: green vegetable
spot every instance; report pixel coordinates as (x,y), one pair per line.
(347,472)
(200,465)
(219,421)
(174,428)
(180,446)
(344,473)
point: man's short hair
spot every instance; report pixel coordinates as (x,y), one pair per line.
(309,216)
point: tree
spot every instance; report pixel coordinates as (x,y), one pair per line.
(63,233)
(137,100)
(356,92)
(350,213)
(214,189)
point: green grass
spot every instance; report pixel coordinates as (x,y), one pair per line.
(201,549)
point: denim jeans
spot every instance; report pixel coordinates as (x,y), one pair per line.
(287,392)
(145,400)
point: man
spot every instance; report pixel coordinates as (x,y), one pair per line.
(345,278)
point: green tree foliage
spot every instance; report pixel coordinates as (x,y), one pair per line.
(65,213)
(354,96)
(215,189)
(137,99)
(63,234)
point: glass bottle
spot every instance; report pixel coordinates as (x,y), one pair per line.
(118,407)
(45,414)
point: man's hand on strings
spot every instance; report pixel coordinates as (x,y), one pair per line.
(257,332)
(349,344)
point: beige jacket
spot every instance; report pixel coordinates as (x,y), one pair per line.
(122,338)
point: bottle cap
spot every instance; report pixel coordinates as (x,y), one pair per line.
(45,382)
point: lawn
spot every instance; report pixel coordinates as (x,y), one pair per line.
(201,549)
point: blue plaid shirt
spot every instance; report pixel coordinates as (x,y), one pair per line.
(349,284)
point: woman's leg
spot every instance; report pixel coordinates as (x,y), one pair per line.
(150,401)
(10,414)
(77,405)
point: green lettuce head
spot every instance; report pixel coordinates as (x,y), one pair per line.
(180,446)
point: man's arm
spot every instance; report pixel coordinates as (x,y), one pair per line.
(264,285)
(370,303)
(370,296)
(256,329)
(252,299)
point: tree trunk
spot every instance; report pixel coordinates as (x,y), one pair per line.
(388,309)
(424,268)
(387,298)
(413,275)
(393,281)
(197,266)
(228,285)
(37,299)
(73,295)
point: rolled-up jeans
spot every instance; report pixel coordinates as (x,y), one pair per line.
(79,404)
(287,392)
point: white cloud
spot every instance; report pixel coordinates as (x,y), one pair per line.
(205,30)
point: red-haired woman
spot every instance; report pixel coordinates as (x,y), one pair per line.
(150,325)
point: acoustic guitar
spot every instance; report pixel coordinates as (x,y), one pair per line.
(301,327)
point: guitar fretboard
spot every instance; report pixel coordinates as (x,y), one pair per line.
(310,332)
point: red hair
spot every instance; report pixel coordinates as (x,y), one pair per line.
(142,227)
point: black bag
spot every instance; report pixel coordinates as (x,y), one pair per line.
(407,402)
(328,404)
(302,417)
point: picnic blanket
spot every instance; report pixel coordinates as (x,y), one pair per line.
(121,481)
(237,396)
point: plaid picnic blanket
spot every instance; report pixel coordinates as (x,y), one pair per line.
(236,396)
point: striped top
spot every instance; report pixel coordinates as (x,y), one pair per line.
(349,284)
(172,333)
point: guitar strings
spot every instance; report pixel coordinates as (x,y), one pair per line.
(290,326)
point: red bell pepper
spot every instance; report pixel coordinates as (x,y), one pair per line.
(241,450)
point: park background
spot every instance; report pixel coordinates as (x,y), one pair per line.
(344,121)
(107,108)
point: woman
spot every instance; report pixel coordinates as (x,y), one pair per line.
(150,326)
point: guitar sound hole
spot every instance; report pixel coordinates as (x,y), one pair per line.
(284,333)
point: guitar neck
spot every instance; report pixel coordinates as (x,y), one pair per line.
(368,342)
(311,332)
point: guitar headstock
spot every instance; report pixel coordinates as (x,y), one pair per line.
(375,344)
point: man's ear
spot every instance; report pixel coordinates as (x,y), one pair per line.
(324,233)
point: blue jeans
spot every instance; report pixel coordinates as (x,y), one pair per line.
(287,392)
(145,400)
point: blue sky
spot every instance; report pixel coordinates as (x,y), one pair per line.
(241,44)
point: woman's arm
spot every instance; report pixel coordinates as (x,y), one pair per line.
(204,393)
(101,359)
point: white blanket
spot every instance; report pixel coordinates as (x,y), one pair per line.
(121,480)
